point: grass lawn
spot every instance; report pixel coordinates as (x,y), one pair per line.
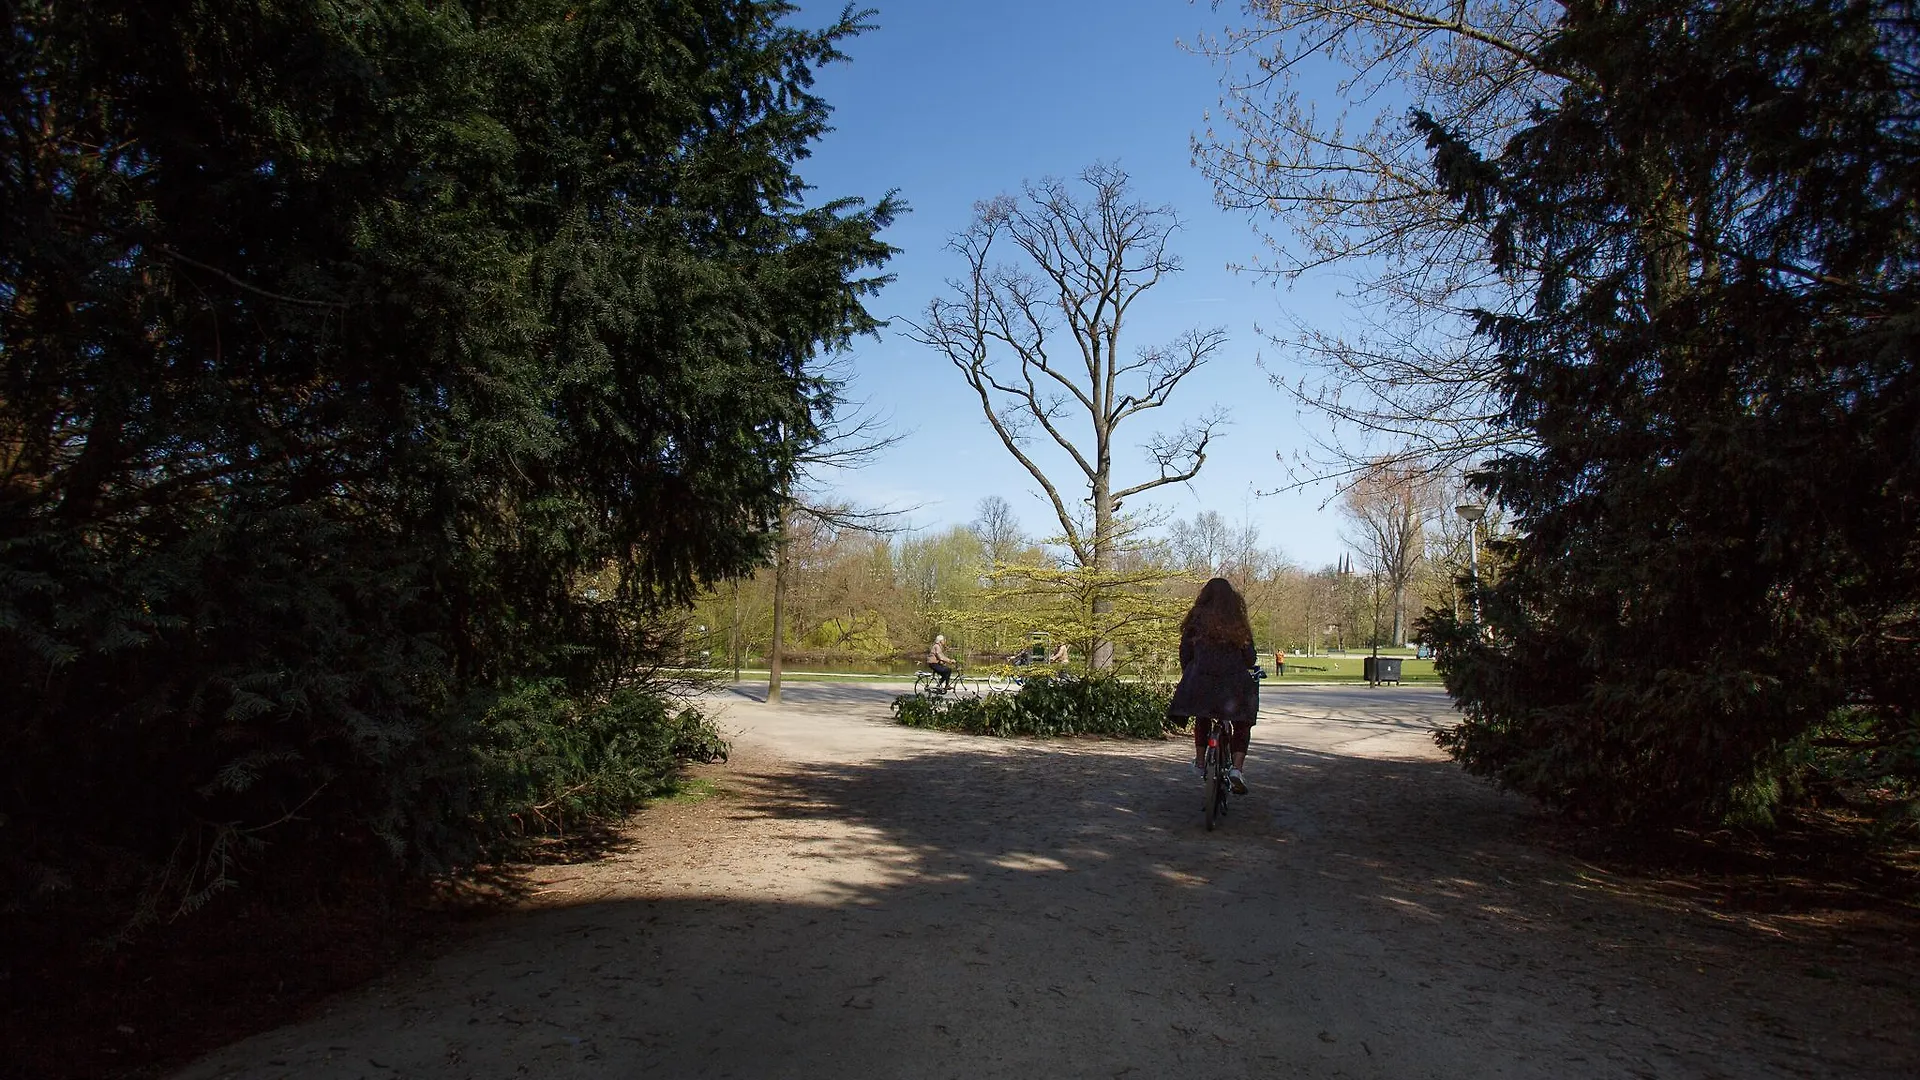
(1345,668)
(1300,669)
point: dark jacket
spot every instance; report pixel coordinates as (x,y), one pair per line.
(1216,681)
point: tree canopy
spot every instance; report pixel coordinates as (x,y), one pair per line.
(365,363)
(1717,578)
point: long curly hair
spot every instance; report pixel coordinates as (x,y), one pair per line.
(1218,616)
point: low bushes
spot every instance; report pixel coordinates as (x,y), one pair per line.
(475,785)
(1060,705)
(547,759)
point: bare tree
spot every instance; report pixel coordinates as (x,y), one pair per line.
(1354,187)
(1319,594)
(1039,341)
(1389,507)
(998,530)
(1209,545)
(1296,604)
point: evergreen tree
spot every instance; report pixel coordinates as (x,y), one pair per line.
(344,347)
(1717,576)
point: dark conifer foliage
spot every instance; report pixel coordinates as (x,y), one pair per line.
(341,345)
(1716,584)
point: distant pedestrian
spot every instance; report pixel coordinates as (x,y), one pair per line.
(1279,662)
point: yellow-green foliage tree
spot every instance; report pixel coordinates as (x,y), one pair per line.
(863,635)
(1130,609)
(938,574)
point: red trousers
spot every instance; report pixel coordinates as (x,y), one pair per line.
(1241,733)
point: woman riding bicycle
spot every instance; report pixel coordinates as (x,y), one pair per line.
(1216,654)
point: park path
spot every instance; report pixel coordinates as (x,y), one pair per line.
(863,900)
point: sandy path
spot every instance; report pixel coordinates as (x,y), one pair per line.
(865,900)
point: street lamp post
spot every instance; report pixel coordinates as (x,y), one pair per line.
(1373,578)
(1471,513)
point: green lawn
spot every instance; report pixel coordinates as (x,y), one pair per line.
(1345,668)
(1300,669)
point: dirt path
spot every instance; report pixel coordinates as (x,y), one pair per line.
(865,900)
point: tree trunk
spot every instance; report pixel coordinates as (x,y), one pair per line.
(1094,258)
(1663,220)
(1101,658)
(733,631)
(779,613)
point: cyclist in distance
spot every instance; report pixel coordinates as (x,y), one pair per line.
(939,662)
(1216,655)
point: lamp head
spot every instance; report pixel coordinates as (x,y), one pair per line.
(1470,511)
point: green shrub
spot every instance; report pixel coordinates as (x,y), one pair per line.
(548,761)
(1865,760)
(1061,705)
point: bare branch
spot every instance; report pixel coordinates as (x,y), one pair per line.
(1165,367)
(1355,191)
(241,283)
(842,517)
(1179,456)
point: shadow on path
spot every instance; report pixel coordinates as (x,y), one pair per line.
(974,907)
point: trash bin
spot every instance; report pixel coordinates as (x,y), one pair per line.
(1381,669)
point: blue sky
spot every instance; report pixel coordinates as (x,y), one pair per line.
(950,103)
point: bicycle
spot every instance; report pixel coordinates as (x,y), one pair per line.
(1215,769)
(998,682)
(928,682)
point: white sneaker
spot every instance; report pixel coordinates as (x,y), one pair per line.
(1199,771)
(1238,782)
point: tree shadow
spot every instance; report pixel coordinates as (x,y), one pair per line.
(969,906)
(823,693)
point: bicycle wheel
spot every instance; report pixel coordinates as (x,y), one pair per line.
(1215,778)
